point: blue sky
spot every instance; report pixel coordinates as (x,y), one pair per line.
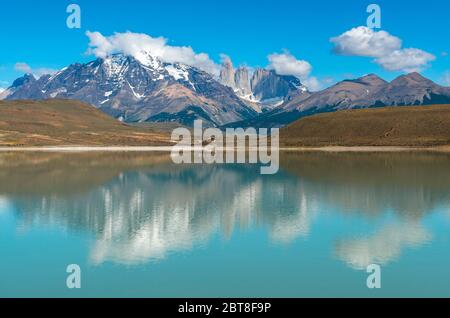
(35,32)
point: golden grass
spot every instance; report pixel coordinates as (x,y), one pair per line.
(425,126)
(68,123)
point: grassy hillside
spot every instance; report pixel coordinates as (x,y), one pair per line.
(68,122)
(393,126)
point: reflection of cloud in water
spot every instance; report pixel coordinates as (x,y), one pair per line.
(5,205)
(144,213)
(184,217)
(382,247)
(151,241)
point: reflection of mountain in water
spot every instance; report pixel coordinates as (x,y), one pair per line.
(144,211)
(410,184)
(142,215)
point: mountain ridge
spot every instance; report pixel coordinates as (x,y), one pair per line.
(365,92)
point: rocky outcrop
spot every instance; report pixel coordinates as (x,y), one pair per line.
(242,81)
(264,87)
(267,84)
(227,75)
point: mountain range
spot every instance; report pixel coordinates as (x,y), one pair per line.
(145,89)
(365,92)
(138,90)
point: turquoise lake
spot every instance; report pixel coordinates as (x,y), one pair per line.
(140,226)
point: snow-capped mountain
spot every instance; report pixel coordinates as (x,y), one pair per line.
(265,87)
(139,89)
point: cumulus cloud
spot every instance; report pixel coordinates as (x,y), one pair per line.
(362,41)
(287,64)
(27,69)
(312,83)
(407,60)
(134,44)
(22,67)
(385,48)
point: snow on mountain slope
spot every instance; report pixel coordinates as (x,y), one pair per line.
(132,89)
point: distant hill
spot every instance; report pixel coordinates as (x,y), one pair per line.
(422,126)
(68,122)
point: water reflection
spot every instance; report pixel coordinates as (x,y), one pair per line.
(383,246)
(140,207)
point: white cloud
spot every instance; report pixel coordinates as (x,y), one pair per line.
(22,67)
(134,44)
(362,41)
(407,60)
(385,48)
(287,64)
(27,69)
(312,83)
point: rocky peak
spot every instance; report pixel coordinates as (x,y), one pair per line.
(372,79)
(242,81)
(258,76)
(227,74)
(26,79)
(411,79)
(268,85)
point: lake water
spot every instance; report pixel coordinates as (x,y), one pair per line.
(140,226)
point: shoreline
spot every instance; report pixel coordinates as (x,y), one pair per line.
(368,149)
(169,149)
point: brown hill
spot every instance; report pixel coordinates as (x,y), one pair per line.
(68,122)
(423,126)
